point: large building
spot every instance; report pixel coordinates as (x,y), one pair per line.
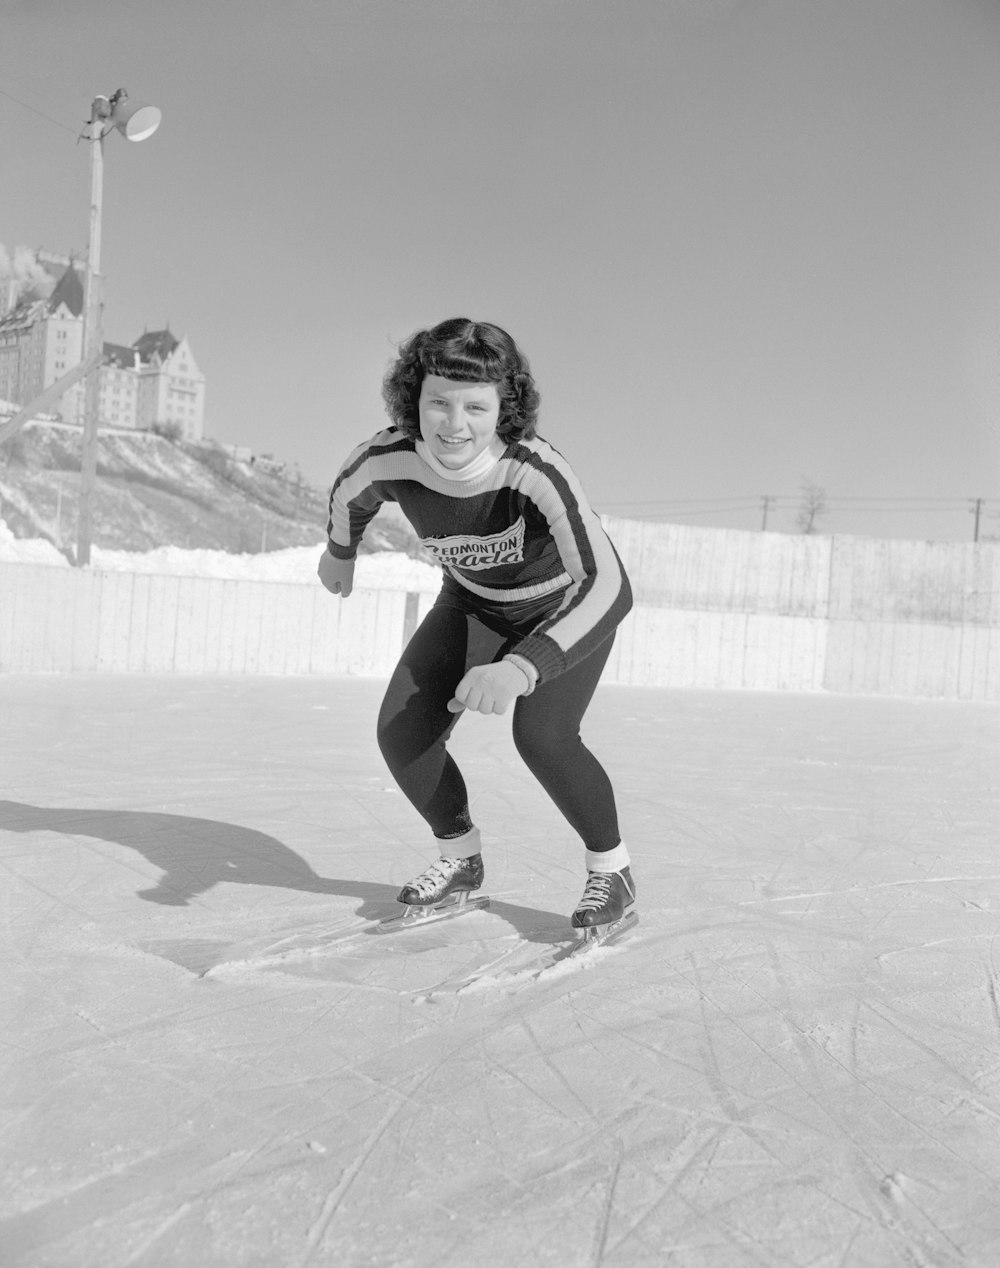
(153,384)
(171,388)
(41,338)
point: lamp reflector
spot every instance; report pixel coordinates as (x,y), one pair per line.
(136,122)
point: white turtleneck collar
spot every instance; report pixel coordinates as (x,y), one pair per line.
(476,469)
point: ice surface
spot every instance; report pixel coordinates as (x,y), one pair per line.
(793,1060)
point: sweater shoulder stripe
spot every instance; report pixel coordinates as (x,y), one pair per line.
(591,606)
(353,502)
(385,444)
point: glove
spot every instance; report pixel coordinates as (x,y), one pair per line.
(336,574)
(490,688)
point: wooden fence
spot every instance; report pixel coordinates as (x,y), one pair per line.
(714,608)
(726,608)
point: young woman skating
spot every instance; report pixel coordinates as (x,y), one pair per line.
(532,594)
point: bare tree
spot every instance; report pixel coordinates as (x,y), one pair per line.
(813,506)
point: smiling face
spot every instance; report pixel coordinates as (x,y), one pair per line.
(457,420)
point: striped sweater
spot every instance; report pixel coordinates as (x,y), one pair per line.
(519,538)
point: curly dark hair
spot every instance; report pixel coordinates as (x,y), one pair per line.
(469,352)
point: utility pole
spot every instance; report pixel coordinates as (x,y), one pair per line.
(44,399)
(93,333)
(978,504)
(135,123)
(766,502)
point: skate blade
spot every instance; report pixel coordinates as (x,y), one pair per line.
(416,917)
(594,936)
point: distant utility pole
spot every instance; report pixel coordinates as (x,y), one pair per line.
(813,506)
(766,503)
(978,505)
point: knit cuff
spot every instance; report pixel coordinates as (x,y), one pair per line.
(544,653)
(526,668)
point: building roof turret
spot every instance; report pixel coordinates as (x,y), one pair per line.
(69,291)
(118,355)
(159,343)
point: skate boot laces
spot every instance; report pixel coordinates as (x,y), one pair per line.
(605,897)
(597,891)
(443,878)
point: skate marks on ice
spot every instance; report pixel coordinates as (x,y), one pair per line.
(196,854)
(493,945)
(213,957)
(365,953)
(523,965)
(875,1090)
(831,1091)
(328,948)
(794,1060)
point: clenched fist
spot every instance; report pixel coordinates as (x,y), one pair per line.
(336,574)
(490,688)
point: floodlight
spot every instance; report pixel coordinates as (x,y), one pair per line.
(135,121)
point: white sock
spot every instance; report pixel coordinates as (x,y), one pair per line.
(608,860)
(462,847)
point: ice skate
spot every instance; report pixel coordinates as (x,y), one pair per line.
(602,912)
(444,890)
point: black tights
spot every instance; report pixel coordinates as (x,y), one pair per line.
(414,725)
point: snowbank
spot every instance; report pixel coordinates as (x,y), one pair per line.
(385,570)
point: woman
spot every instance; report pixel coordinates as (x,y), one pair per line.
(533,591)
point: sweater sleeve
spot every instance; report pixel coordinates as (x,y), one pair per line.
(599,596)
(354,501)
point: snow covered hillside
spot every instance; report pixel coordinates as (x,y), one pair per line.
(153,492)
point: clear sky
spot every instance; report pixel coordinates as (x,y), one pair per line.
(744,243)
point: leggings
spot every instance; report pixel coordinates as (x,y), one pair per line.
(414,725)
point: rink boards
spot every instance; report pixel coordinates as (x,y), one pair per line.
(61,620)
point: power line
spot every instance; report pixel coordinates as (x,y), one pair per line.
(914,503)
(41,114)
(678,510)
(714,510)
(836,506)
(738,497)
(860,501)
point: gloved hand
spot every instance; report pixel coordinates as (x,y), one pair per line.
(490,688)
(336,574)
